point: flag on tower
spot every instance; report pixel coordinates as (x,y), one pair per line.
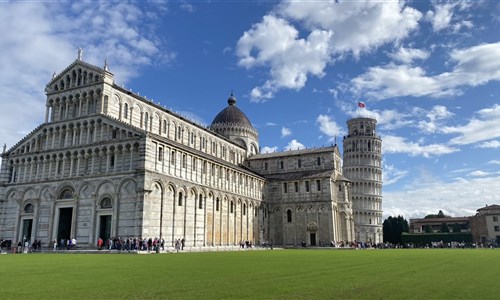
(361,104)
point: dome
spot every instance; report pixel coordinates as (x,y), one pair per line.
(231,115)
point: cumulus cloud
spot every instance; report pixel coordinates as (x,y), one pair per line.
(482,127)
(491,144)
(408,55)
(474,66)
(294,145)
(397,144)
(459,198)
(285,132)
(267,149)
(329,127)
(332,31)
(275,42)
(479,173)
(443,14)
(436,115)
(39,38)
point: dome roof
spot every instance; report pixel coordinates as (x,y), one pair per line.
(231,115)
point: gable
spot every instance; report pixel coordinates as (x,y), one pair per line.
(77,74)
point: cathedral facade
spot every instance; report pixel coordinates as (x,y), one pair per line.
(108,163)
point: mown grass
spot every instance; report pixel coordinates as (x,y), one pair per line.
(278,274)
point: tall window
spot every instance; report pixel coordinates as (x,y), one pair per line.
(282,165)
(299,163)
(200,202)
(285,187)
(318,161)
(217,203)
(125,111)
(172,158)
(289,216)
(307,186)
(265,166)
(232,207)
(180,200)
(296,187)
(318,185)
(160,154)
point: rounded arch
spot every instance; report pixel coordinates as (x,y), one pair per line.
(64,190)
(105,186)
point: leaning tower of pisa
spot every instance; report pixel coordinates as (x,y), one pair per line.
(363,166)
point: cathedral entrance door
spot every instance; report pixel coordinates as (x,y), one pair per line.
(105,227)
(312,236)
(64,226)
(27,226)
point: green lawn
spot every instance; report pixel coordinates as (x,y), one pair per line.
(277,274)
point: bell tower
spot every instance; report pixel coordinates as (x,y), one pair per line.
(363,166)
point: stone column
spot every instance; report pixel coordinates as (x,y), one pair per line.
(47,113)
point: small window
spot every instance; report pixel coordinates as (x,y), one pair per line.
(200,202)
(307,186)
(172,158)
(244,209)
(497,228)
(318,185)
(318,161)
(217,203)
(112,161)
(289,216)
(184,161)
(296,187)
(285,187)
(282,165)
(340,188)
(232,207)
(299,163)
(495,219)
(265,166)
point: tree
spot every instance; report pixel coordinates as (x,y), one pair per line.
(393,227)
(444,228)
(456,227)
(428,229)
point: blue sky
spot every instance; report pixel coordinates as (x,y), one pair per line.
(428,71)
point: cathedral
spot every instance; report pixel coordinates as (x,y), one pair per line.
(108,163)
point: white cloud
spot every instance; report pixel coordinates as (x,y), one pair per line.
(459,198)
(285,132)
(267,149)
(474,66)
(39,38)
(408,55)
(329,127)
(494,162)
(436,115)
(482,127)
(358,26)
(479,173)
(441,18)
(491,144)
(294,145)
(392,175)
(332,30)
(397,144)
(275,42)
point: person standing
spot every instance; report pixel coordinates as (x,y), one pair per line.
(55,244)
